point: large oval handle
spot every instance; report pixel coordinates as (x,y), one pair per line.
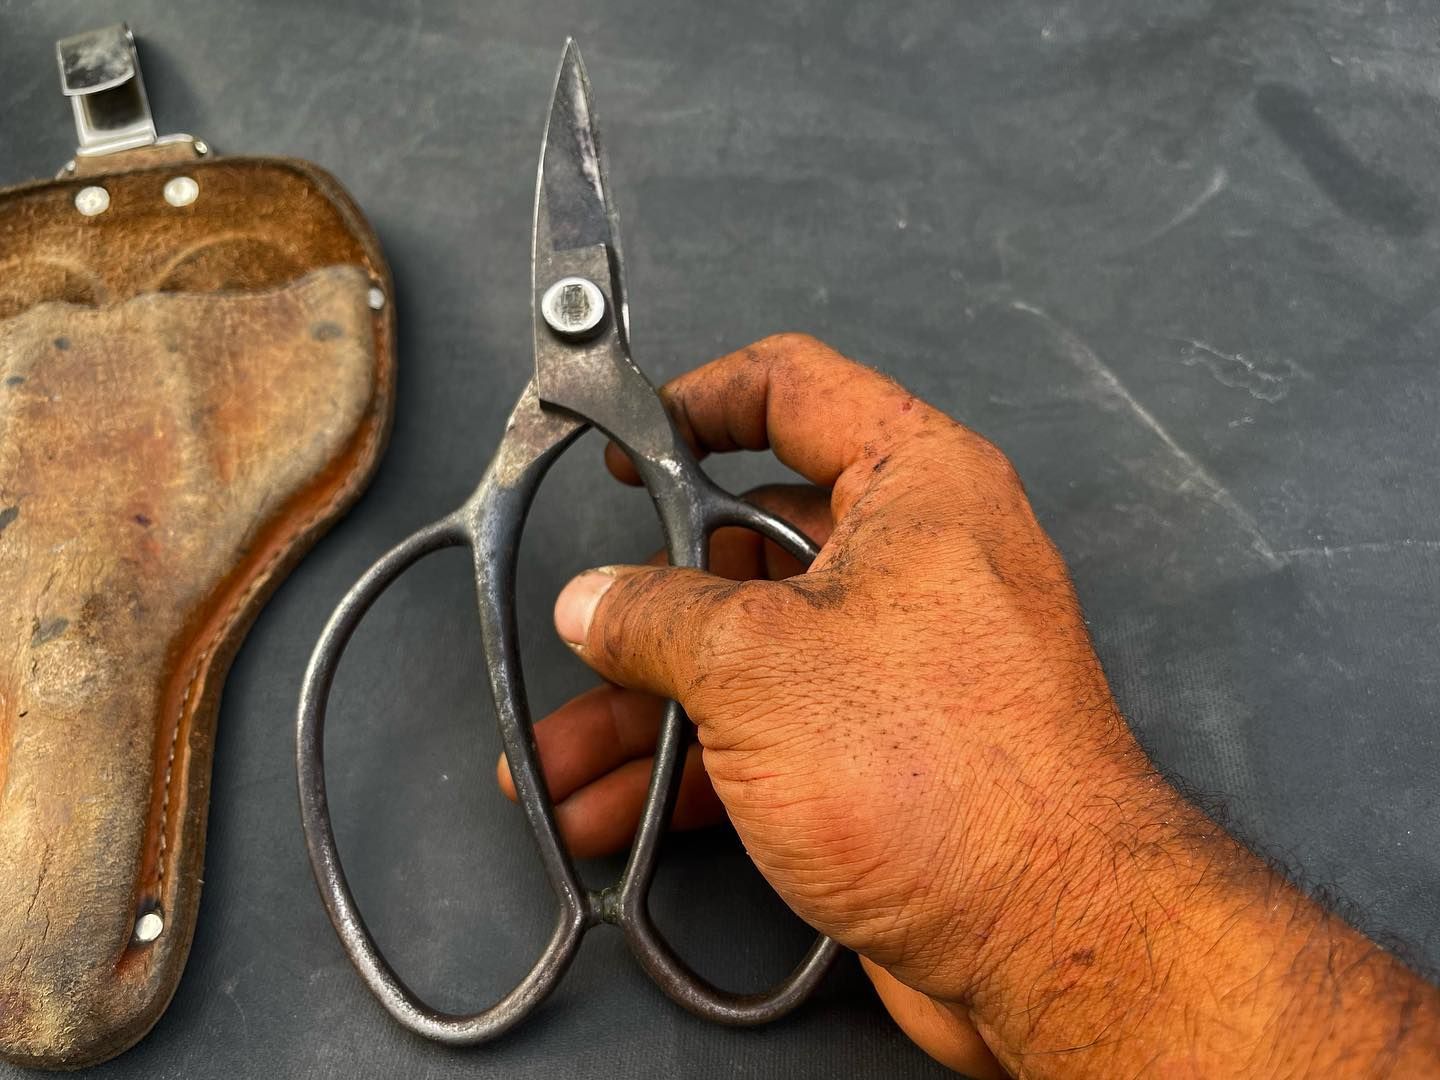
(397,998)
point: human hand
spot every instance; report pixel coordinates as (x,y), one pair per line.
(914,739)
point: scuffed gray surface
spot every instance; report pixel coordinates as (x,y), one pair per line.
(1178,258)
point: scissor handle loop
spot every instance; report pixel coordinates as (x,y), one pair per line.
(397,998)
(691,511)
(691,508)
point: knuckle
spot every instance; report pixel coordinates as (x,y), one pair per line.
(793,356)
(993,462)
(764,644)
(981,470)
(680,624)
(791,343)
(750,636)
(741,614)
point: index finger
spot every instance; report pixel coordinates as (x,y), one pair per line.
(821,413)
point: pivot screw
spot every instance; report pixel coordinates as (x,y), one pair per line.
(574,307)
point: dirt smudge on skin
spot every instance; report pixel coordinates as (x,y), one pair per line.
(822,595)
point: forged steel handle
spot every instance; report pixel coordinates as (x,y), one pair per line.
(489,523)
(398,999)
(691,507)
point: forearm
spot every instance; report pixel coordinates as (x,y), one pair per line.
(1152,944)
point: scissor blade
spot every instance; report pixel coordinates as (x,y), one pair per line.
(589,372)
(572,202)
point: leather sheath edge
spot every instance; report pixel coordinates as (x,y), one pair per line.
(198,675)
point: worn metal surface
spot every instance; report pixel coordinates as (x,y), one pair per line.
(1177,257)
(579,381)
(100,76)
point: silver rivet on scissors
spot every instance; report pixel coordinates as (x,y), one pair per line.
(574,307)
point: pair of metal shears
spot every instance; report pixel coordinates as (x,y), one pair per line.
(584,376)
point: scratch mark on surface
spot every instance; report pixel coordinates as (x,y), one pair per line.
(1325,551)
(229,989)
(1197,477)
(1217,184)
(584,132)
(45,857)
(1237,372)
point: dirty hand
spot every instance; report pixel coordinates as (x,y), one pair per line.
(918,748)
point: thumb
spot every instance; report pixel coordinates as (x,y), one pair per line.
(646,627)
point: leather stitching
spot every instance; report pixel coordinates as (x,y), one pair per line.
(201,665)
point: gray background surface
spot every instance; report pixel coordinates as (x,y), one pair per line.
(1178,257)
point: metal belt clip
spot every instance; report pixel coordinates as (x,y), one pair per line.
(100,74)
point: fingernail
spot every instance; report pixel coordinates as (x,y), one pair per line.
(576,604)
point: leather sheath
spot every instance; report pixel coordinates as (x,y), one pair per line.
(189,396)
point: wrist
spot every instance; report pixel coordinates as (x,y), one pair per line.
(1143,937)
(1115,879)
(1114,906)
(1039,834)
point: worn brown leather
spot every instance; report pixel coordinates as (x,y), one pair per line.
(188,397)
